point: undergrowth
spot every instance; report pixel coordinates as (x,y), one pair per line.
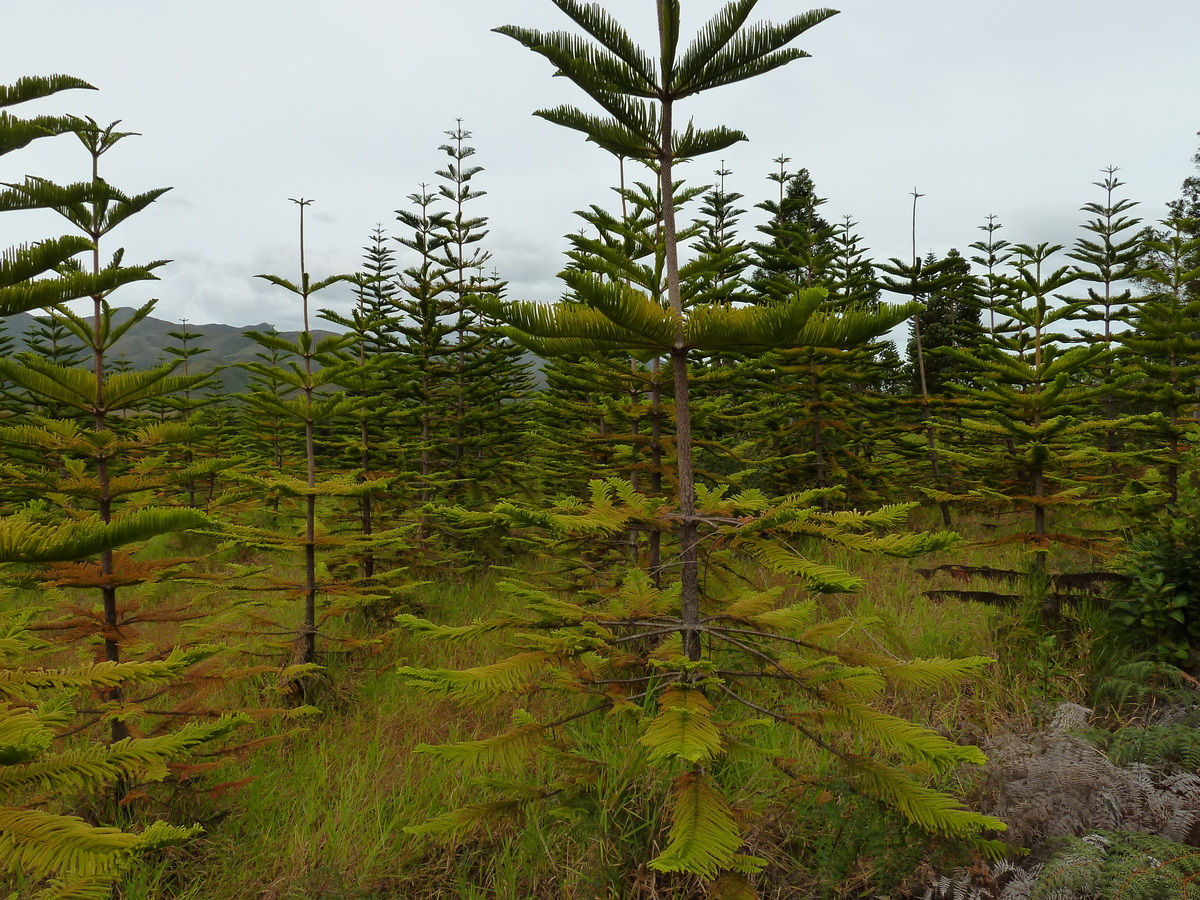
(322,813)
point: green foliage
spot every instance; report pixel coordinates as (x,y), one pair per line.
(1159,607)
(1120,864)
(1174,748)
(24,539)
(704,836)
(36,704)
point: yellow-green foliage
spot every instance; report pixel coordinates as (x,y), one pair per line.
(24,539)
(82,858)
(683,728)
(705,837)
(768,652)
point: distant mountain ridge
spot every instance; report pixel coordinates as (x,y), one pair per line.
(143,345)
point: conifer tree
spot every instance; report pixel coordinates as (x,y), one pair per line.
(489,377)
(950,319)
(108,461)
(50,338)
(918,280)
(812,422)
(188,402)
(79,859)
(317,367)
(374,375)
(1109,257)
(586,649)
(263,426)
(426,302)
(1165,339)
(719,218)
(851,277)
(993,253)
(1030,443)
(1186,208)
(802,244)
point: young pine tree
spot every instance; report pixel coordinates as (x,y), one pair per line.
(687,690)
(63,855)
(1108,258)
(110,464)
(1165,339)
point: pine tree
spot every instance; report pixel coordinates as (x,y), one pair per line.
(50,338)
(1107,259)
(316,368)
(587,649)
(1029,445)
(802,245)
(1165,338)
(851,276)
(426,304)
(109,461)
(994,253)
(187,404)
(374,374)
(918,281)
(1186,208)
(719,216)
(950,319)
(489,377)
(80,859)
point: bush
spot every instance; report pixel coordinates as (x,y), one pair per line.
(1159,607)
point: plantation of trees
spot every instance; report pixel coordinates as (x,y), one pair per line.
(688,585)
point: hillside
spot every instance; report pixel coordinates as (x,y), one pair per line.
(143,346)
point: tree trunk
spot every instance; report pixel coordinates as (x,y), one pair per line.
(689,557)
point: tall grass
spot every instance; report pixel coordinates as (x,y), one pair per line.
(324,816)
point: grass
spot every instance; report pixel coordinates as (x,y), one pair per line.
(325,812)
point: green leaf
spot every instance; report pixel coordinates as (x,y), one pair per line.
(683,728)
(27,541)
(704,837)
(36,87)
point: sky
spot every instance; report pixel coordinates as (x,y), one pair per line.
(1010,109)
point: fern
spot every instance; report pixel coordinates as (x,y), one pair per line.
(1173,747)
(1119,864)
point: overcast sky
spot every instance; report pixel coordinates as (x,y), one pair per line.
(1008,108)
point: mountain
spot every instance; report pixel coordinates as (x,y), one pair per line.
(227,345)
(143,345)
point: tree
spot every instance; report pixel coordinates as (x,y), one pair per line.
(950,319)
(994,253)
(35,700)
(317,368)
(1110,257)
(1029,442)
(802,245)
(1165,338)
(426,303)
(719,217)
(115,454)
(369,373)
(587,649)
(1187,206)
(918,280)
